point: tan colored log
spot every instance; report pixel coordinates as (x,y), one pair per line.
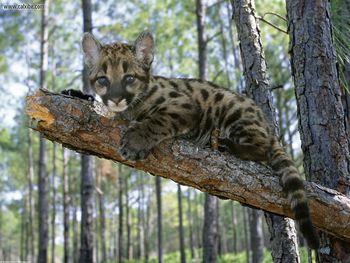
(88,128)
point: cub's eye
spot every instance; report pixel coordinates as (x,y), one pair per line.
(129,79)
(103,81)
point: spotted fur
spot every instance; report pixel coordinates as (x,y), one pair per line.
(159,108)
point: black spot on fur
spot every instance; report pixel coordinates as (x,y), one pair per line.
(218,97)
(233,117)
(208,124)
(205,94)
(174,115)
(160,100)
(186,106)
(188,86)
(125,66)
(174,94)
(174,84)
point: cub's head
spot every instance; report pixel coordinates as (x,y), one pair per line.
(119,73)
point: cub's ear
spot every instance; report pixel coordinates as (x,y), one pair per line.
(144,48)
(91,48)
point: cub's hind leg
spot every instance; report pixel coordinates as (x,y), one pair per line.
(244,151)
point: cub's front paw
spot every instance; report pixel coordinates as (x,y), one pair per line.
(133,146)
(78,94)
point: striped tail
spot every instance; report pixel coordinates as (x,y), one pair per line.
(293,186)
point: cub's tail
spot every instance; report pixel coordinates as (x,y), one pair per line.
(293,186)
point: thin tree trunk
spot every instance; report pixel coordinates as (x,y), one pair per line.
(24,217)
(210,235)
(53,219)
(210,240)
(234,227)
(128,220)
(43,204)
(256,236)
(181,230)
(320,111)
(147,228)
(42,176)
(31,215)
(87,182)
(97,238)
(140,220)
(190,222)
(121,216)
(87,201)
(258,88)
(245,231)
(197,219)
(159,219)
(76,248)
(103,226)
(66,207)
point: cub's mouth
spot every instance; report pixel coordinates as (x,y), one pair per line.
(117,105)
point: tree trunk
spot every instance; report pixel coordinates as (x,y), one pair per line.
(321,115)
(65,207)
(159,219)
(121,216)
(42,176)
(256,236)
(140,220)
(234,228)
(103,227)
(210,235)
(190,222)
(87,181)
(181,230)
(245,231)
(128,220)
(210,207)
(53,219)
(76,248)
(87,203)
(258,88)
(31,215)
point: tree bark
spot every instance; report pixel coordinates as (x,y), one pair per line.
(66,202)
(31,215)
(159,218)
(245,233)
(128,221)
(190,222)
(321,116)
(86,191)
(210,240)
(54,190)
(42,176)
(121,216)
(258,88)
(77,125)
(256,236)
(87,167)
(181,229)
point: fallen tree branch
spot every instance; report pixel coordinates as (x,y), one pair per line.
(88,128)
